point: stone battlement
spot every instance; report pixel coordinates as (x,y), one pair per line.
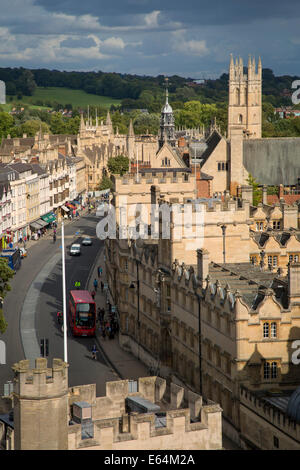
(40,382)
(215,206)
(154,178)
(182,422)
(270,413)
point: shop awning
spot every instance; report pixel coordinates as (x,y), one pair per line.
(49,218)
(38,224)
(35,226)
(41,222)
(64,208)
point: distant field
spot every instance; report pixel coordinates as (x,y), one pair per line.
(77,98)
(8,107)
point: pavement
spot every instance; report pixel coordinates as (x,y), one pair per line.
(125,364)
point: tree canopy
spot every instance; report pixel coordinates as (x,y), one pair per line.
(105,183)
(5,275)
(118,165)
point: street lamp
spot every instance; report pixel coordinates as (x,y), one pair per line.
(223,227)
(132,286)
(200,344)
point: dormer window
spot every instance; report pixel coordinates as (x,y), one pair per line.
(276,224)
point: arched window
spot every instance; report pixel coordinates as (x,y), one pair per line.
(240,119)
(237,96)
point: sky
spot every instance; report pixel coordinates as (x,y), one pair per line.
(190,38)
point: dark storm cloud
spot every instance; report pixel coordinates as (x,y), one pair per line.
(201,12)
(186,37)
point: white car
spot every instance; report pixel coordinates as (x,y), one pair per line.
(75,249)
(87,241)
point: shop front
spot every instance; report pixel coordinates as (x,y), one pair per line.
(72,207)
(37,227)
(65,212)
(20,234)
(6,240)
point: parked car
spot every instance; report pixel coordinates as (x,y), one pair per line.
(75,249)
(23,252)
(86,241)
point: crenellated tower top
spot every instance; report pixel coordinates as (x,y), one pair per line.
(245,91)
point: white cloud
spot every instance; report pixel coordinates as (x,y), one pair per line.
(190,47)
(151,19)
(113,43)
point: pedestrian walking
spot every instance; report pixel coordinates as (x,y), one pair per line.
(99,314)
(98,269)
(102,313)
(93,293)
(102,286)
(94,352)
(95,284)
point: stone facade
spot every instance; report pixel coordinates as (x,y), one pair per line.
(265,426)
(140,191)
(158,415)
(242,318)
(41,406)
(241,322)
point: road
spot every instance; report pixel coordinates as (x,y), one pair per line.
(82,369)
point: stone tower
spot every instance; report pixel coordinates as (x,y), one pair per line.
(41,405)
(245,90)
(167,124)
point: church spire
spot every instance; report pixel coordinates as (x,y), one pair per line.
(82,125)
(108,119)
(131,130)
(167,122)
(167,90)
(109,123)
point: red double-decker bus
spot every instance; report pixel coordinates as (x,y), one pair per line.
(82,313)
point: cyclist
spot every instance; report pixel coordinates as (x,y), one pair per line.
(94,352)
(59,317)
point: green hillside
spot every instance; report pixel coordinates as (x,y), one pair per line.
(77,98)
